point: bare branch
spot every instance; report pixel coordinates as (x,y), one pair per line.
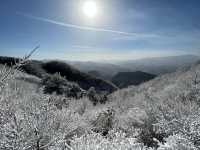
(17,65)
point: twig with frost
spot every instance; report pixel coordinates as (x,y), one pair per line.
(17,66)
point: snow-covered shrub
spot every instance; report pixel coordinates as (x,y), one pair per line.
(59,101)
(59,85)
(29,120)
(180,116)
(188,127)
(104,121)
(97,98)
(148,134)
(130,119)
(177,142)
(96,141)
(92,95)
(34,123)
(81,106)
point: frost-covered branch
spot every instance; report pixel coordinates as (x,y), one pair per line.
(16,66)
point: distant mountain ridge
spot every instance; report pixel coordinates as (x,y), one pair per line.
(125,79)
(107,70)
(96,74)
(157,65)
(160,65)
(100,75)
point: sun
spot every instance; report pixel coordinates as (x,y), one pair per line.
(90,9)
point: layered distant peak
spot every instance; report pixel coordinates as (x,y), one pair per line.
(125,79)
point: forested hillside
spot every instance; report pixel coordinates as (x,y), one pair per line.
(125,79)
(42,69)
(160,114)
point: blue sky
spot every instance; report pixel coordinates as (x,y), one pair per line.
(123,29)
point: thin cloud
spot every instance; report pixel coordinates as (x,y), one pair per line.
(82,47)
(86,28)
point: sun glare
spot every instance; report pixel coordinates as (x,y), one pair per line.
(90,9)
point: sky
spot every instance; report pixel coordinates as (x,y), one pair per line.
(121,30)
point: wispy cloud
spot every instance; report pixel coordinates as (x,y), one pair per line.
(83,47)
(86,28)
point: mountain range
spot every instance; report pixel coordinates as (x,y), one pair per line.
(125,79)
(157,65)
(106,76)
(43,68)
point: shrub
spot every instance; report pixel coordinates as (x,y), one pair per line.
(95,97)
(177,142)
(28,119)
(96,141)
(187,127)
(92,95)
(149,134)
(179,116)
(59,85)
(104,122)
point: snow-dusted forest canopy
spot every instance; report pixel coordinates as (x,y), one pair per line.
(160,114)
